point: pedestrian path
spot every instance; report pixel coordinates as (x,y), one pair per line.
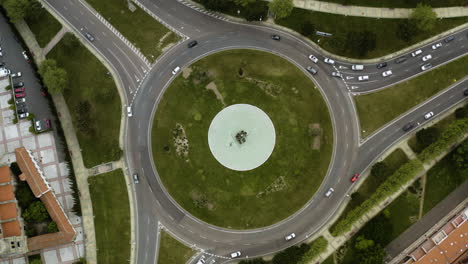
(376,12)
(54,40)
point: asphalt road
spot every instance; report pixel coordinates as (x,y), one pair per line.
(153,203)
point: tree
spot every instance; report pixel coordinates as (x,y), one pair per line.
(460,157)
(255,11)
(54,78)
(307,28)
(363,243)
(35,10)
(36,212)
(461,112)
(291,255)
(406,30)
(214,4)
(371,255)
(24,195)
(424,17)
(70,41)
(52,227)
(16,9)
(427,136)
(244,2)
(380,170)
(281,8)
(253,261)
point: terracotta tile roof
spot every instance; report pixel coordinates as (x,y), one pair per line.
(8,211)
(5,174)
(31,173)
(38,184)
(11,229)
(6,193)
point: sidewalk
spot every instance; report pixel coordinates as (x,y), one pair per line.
(54,40)
(363,11)
(81,173)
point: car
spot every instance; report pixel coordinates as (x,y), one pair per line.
(176,70)
(1,54)
(329,61)
(23,115)
(201,260)
(37,125)
(408,127)
(136,178)
(387,73)
(313,58)
(426,66)
(276,37)
(22,109)
(20,95)
(47,123)
(428,115)
(329,192)
(20,101)
(18,84)
(363,78)
(400,59)
(235,254)
(436,46)
(290,236)
(357,67)
(381,65)
(311,70)
(20,90)
(355,177)
(447,40)
(2,64)
(25,55)
(43,91)
(416,53)
(465,93)
(336,74)
(129,111)
(16,75)
(192,44)
(89,36)
(427,57)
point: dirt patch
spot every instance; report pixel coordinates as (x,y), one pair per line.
(186,72)
(181,143)
(316,132)
(212,86)
(277,185)
(201,201)
(268,87)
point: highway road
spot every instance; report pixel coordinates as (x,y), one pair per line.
(143,85)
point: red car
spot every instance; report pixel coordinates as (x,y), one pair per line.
(19,90)
(47,123)
(355,177)
(20,95)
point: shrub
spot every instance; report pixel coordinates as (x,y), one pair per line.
(317,246)
(36,212)
(427,136)
(291,255)
(52,227)
(8,88)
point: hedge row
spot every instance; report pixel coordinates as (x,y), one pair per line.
(449,136)
(391,185)
(317,246)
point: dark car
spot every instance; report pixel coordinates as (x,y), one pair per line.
(2,64)
(18,84)
(275,37)
(400,59)
(408,127)
(381,65)
(192,44)
(89,36)
(447,40)
(465,93)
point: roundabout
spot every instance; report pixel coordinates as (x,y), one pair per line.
(238,145)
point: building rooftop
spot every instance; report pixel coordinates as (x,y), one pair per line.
(10,229)
(6,193)
(5,175)
(31,173)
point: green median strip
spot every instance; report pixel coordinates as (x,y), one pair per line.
(142,30)
(378,108)
(171,251)
(111,217)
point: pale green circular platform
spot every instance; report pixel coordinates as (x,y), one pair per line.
(259,141)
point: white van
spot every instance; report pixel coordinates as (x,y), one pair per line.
(357,67)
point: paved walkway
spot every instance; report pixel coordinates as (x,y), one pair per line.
(54,40)
(81,173)
(377,12)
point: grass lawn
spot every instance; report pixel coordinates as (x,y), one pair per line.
(253,198)
(388,103)
(172,251)
(111,217)
(43,25)
(399,3)
(149,36)
(441,180)
(385,30)
(98,128)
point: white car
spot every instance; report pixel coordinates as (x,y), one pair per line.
(235,254)
(336,74)
(290,236)
(387,73)
(329,192)
(416,53)
(329,61)
(313,58)
(428,115)
(426,66)
(1,54)
(427,57)
(25,55)
(363,78)
(176,70)
(16,75)
(37,125)
(20,100)
(129,111)
(436,46)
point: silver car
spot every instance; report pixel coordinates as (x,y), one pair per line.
(329,192)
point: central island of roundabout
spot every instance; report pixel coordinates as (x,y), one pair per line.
(242,139)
